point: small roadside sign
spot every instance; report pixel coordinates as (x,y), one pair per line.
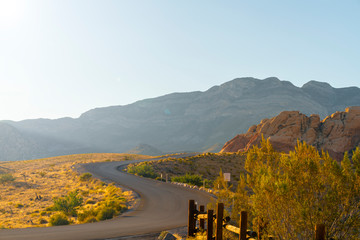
(227,177)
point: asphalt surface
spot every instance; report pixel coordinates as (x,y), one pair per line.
(162,206)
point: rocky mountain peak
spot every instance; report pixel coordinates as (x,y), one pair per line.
(316,85)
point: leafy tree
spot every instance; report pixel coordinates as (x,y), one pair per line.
(291,193)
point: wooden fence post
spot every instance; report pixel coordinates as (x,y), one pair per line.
(191,219)
(260,228)
(243,225)
(219,221)
(202,221)
(210,224)
(320,232)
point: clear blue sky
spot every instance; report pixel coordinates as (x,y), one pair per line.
(63,57)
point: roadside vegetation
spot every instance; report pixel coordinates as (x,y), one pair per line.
(195,170)
(49,192)
(142,170)
(191,179)
(286,194)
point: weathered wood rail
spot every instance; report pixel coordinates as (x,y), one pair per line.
(220,223)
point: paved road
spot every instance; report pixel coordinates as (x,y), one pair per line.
(163,206)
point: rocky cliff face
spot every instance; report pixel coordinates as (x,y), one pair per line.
(336,134)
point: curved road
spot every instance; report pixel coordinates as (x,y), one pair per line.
(163,206)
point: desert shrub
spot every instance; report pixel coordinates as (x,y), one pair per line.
(68,204)
(59,219)
(6,177)
(44,213)
(43,221)
(85,177)
(42,174)
(86,215)
(90,201)
(114,199)
(189,179)
(143,169)
(290,193)
(105,213)
(111,205)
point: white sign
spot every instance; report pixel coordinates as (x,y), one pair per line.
(227,177)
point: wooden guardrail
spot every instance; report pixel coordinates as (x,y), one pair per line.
(201,216)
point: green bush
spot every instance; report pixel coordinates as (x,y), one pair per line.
(143,170)
(105,213)
(59,219)
(85,177)
(85,216)
(189,179)
(6,177)
(68,203)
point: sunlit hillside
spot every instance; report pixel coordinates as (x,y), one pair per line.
(28,188)
(207,165)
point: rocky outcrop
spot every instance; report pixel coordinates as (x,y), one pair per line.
(336,134)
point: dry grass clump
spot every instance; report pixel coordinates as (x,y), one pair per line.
(28,188)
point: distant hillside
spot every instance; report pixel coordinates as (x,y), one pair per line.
(15,145)
(179,122)
(145,148)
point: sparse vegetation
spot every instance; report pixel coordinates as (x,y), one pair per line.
(27,197)
(111,205)
(206,165)
(143,170)
(6,177)
(42,174)
(59,219)
(86,176)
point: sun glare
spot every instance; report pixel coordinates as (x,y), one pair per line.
(10,12)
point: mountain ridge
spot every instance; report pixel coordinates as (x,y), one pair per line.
(182,122)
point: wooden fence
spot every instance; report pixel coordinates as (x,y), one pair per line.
(200,216)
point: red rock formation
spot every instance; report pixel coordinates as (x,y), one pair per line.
(336,134)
